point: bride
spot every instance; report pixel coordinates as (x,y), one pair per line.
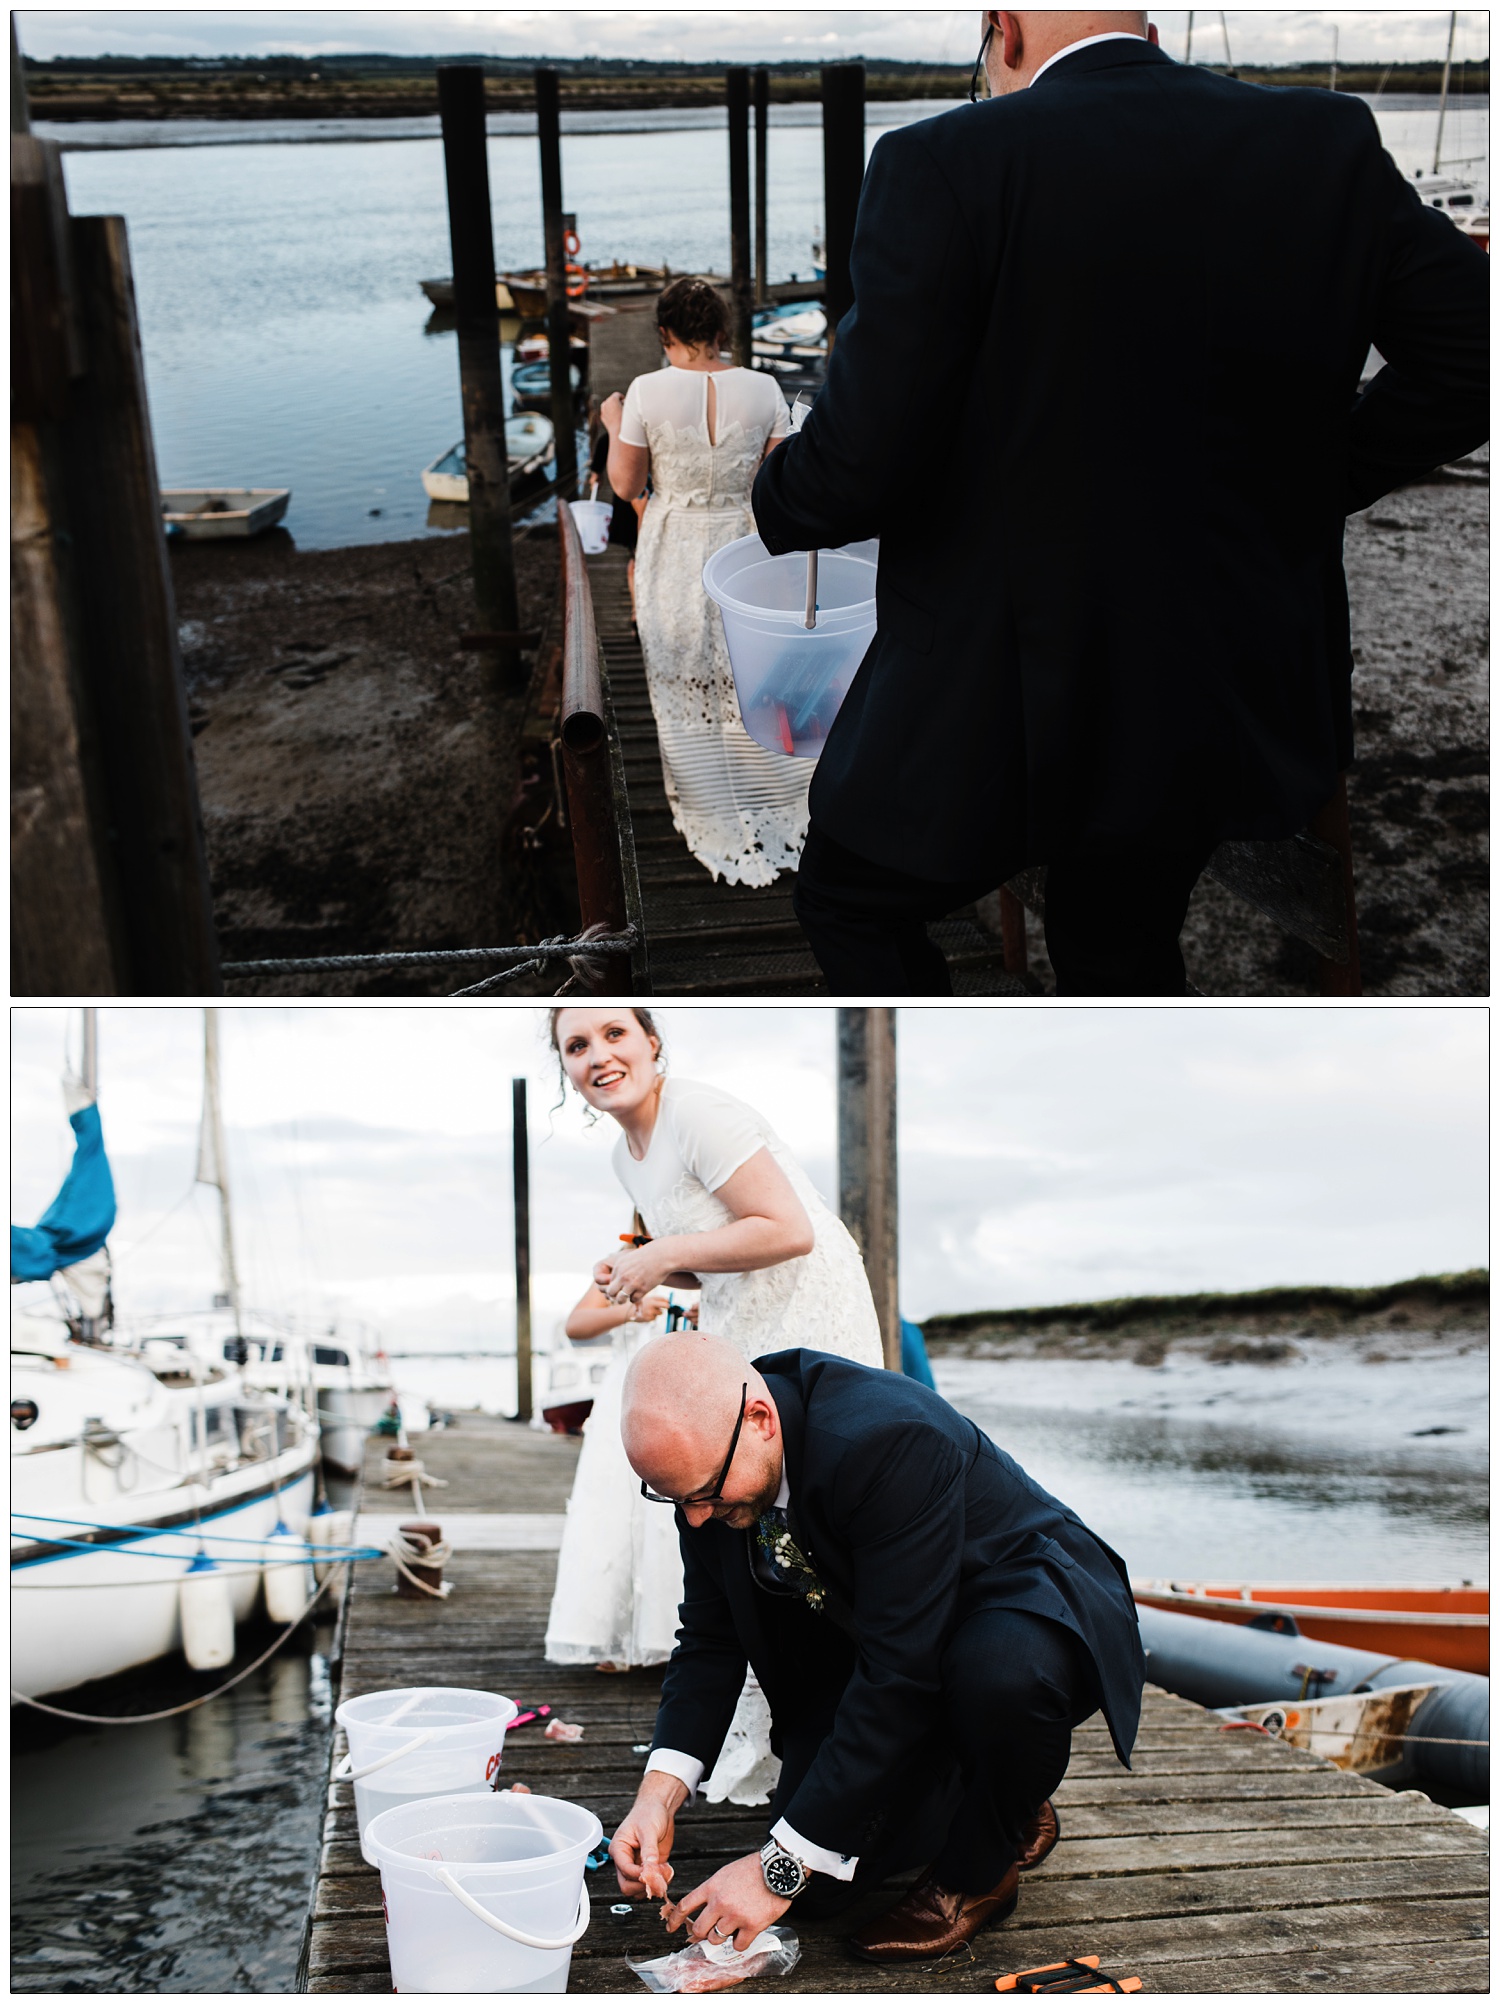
(731,1212)
(699,429)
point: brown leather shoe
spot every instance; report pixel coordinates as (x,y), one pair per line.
(1038,1837)
(931,1920)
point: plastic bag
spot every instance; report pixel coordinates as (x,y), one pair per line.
(720,1966)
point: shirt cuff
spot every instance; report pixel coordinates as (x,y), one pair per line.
(687,1770)
(816,1859)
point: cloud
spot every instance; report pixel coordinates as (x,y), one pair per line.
(1045,1154)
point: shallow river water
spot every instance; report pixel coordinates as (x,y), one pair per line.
(277,271)
(176,1857)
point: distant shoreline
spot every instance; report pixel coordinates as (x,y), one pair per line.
(286,88)
(1432,1305)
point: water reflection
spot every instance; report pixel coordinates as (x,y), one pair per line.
(1199,1497)
(175,1855)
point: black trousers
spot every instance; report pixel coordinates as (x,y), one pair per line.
(1113,919)
(1013,1688)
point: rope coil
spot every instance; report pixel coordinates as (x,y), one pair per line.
(409,1552)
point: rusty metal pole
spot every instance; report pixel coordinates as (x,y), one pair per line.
(867,1158)
(737,91)
(843,176)
(559,332)
(594,807)
(461,103)
(521,1187)
(1331,824)
(760,97)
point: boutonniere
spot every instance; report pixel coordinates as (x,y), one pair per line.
(787,1555)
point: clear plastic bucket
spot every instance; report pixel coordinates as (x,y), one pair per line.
(429,1740)
(483,1892)
(791,678)
(593,518)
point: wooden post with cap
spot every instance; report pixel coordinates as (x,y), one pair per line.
(760,98)
(737,91)
(867,1158)
(521,1180)
(461,104)
(559,331)
(843,176)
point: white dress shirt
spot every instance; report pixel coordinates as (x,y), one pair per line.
(1115,35)
(689,1771)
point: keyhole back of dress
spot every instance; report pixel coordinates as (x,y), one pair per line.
(710,409)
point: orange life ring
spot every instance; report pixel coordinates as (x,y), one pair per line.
(577,280)
(570,243)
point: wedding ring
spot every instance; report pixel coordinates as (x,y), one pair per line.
(716,1929)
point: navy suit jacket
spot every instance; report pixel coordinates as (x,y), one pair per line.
(1098,396)
(913,1519)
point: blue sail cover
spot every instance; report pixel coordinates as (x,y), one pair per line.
(82,1214)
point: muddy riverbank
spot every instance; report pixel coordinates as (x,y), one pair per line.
(358,796)
(355,803)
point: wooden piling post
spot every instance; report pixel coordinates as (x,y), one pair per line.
(111,892)
(461,104)
(737,92)
(760,97)
(559,333)
(521,1185)
(867,1158)
(843,176)
(1331,825)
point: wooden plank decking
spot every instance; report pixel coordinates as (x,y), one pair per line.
(708,938)
(1225,1862)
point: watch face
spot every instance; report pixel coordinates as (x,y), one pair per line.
(783,1875)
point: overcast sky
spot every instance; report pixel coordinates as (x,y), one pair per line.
(1045,1155)
(706,35)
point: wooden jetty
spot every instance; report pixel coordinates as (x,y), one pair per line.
(705,937)
(1225,1862)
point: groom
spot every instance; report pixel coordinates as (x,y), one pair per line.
(1098,396)
(927,1625)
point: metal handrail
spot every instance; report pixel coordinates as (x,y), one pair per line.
(598,811)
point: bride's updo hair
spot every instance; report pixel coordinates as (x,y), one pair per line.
(692,312)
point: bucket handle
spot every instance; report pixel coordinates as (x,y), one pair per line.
(344,1772)
(512,1933)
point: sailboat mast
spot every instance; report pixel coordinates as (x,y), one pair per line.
(1189,56)
(1437,151)
(91,1050)
(213,1161)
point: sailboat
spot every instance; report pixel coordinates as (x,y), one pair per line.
(1464,202)
(154,1495)
(340,1380)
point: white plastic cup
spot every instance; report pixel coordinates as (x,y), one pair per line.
(463,1876)
(430,1740)
(791,678)
(593,519)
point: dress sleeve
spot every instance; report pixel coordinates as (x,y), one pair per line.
(715,1134)
(781,423)
(632,424)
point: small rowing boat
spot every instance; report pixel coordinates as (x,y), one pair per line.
(210,512)
(528,446)
(1448,1625)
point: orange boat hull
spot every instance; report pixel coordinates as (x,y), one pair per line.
(1444,1625)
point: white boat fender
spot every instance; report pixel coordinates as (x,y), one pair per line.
(329,1527)
(286,1585)
(207,1615)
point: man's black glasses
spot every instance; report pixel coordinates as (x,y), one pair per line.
(984,49)
(723,1475)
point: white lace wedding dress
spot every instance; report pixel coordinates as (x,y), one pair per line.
(741,809)
(619,1573)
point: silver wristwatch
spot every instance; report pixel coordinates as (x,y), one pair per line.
(785,1874)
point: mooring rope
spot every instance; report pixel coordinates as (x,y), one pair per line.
(407,1552)
(596,944)
(148,1718)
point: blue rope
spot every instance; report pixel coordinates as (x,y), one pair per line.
(146,1531)
(318,1554)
